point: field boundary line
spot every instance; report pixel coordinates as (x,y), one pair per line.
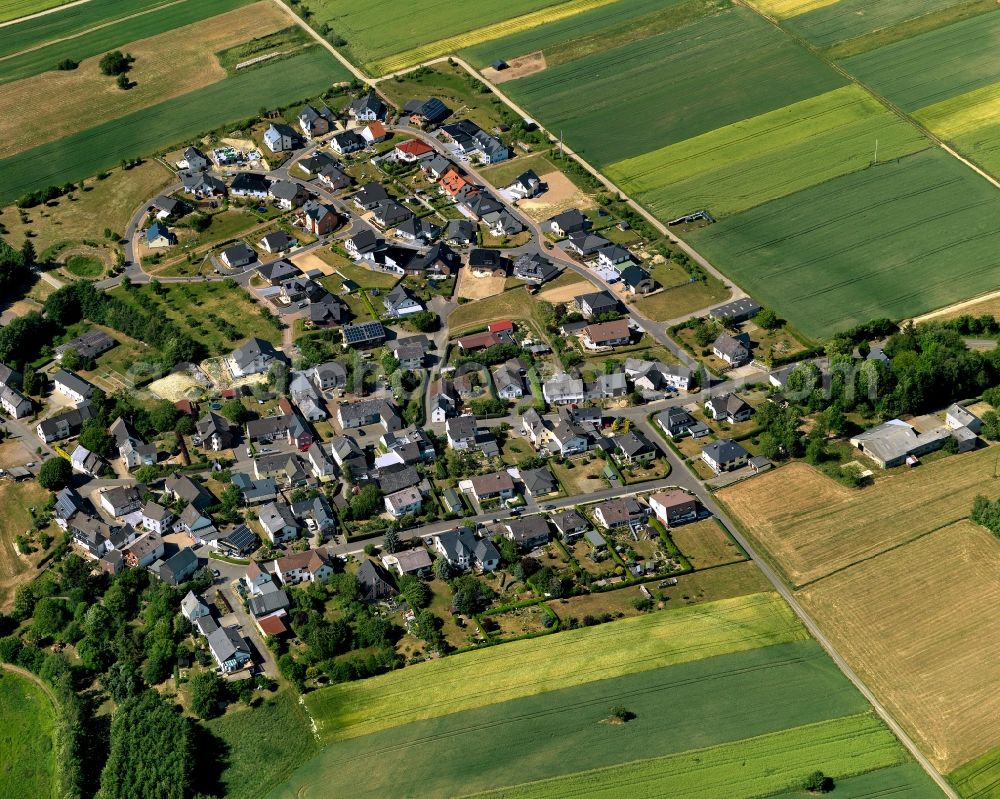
(886,551)
(78,34)
(44,13)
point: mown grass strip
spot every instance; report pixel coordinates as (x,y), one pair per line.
(453,43)
(753,767)
(525,668)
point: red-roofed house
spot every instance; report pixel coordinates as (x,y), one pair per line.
(373,132)
(452,182)
(187,407)
(413,150)
(479,341)
(272,625)
(501,326)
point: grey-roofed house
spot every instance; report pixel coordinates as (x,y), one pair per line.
(597,303)
(178,567)
(724,455)
(364,334)
(331,374)
(734,350)
(180,486)
(538,482)
(636,280)
(194,607)
(400,302)
(736,311)
(416,561)
(563,388)
(215,432)
(534,268)
(374,582)
(276,242)
(366,412)
(567,222)
(278,523)
(955,417)
(461,232)
(463,550)
(569,524)
(72,385)
(279,137)
(240,254)
(277,272)
(271,602)
(633,447)
(250,184)
(678,422)
(87,345)
(728,408)
(368,108)
(65,424)
(508,382)
(229,649)
(238,542)
(528,532)
(287,194)
(254,357)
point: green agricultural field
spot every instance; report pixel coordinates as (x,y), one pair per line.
(896,240)
(759,159)
(558,733)
(162,125)
(935,66)
(747,769)
(971,123)
(648,94)
(908,780)
(26,39)
(591,31)
(13,9)
(525,668)
(849,19)
(980,778)
(27,726)
(376,30)
(262,745)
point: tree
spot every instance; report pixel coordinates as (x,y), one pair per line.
(391,541)
(415,591)
(766,318)
(163,416)
(425,321)
(70,359)
(442,569)
(367,502)
(114,63)
(206,693)
(235,411)
(49,616)
(818,782)
(123,82)
(67,64)
(54,474)
(96,438)
(28,255)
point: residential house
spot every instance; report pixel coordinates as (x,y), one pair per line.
(415,562)
(287,195)
(566,223)
(374,582)
(202,185)
(164,207)
(158,236)
(461,432)
(329,375)
(623,512)
(586,244)
(314,123)
(538,482)
(277,272)
(508,381)
(728,408)
(254,357)
(313,565)
(534,268)
(569,524)
(607,334)
(608,386)
(194,159)
(597,304)
(240,254)
(65,424)
(442,400)
(238,542)
(250,184)
(636,280)
(349,457)
(194,607)
(193,522)
(412,150)
(252,491)
(389,213)
(562,389)
(364,334)
(181,487)
(368,108)
(86,462)
(278,523)
(156,518)
(120,500)
(674,507)
(88,345)
(73,386)
(178,568)
(613,256)
(634,448)
(365,412)
(463,550)
(279,138)
(476,342)
(497,485)
(426,112)
(277,242)
(399,302)
(409,351)
(143,551)
(957,417)
(215,433)
(373,133)
(734,312)
(525,185)
(402,502)
(896,442)
(528,533)
(460,232)
(230,650)
(14,403)
(347,142)
(734,350)
(334,177)
(676,422)
(370,195)
(724,455)
(269,604)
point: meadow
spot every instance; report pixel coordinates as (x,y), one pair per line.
(159,126)
(377,31)
(525,668)
(16,499)
(37,45)
(917,622)
(894,241)
(772,155)
(937,65)
(167,65)
(756,767)
(849,19)
(647,94)
(560,732)
(27,727)
(262,745)
(599,28)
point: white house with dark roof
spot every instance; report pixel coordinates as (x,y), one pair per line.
(72,385)
(724,455)
(254,357)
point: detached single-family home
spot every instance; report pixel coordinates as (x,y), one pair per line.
(528,533)
(461,432)
(156,518)
(728,408)
(72,385)
(416,561)
(347,142)
(534,268)
(400,503)
(525,185)
(724,455)
(538,482)
(374,582)
(157,235)
(363,334)
(178,567)
(400,302)
(463,550)
(678,422)
(498,485)
(634,448)
(277,242)
(215,432)
(607,334)
(636,280)
(566,223)
(624,512)
(734,350)
(121,500)
(368,108)
(65,424)
(279,138)
(674,507)
(86,462)
(569,524)
(194,159)
(250,184)
(314,123)
(230,650)
(562,389)
(318,218)
(194,607)
(240,254)
(310,566)
(597,304)
(287,195)
(254,357)
(508,381)
(278,522)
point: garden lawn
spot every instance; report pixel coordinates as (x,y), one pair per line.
(180,119)
(560,732)
(893,241)
(849,19)
(265,744)
(750,162)
(750,66)
(525,668)
(934,66)
(589,31)
(27,726)
(97,26)
(746,769)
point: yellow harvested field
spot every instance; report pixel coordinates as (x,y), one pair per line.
(783,9)
(567,293)
(919,624)
(167,65)
(454,43)
(812,526)
(963,114)
(987,304)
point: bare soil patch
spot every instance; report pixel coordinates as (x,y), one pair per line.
(478,288)
(518,67)
(567,293)
(308,261)
(562,194)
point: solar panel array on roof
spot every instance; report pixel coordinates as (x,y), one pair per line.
(366,331)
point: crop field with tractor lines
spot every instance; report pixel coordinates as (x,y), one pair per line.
(750,65)
(525,668)
(762,158)
(896,240)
